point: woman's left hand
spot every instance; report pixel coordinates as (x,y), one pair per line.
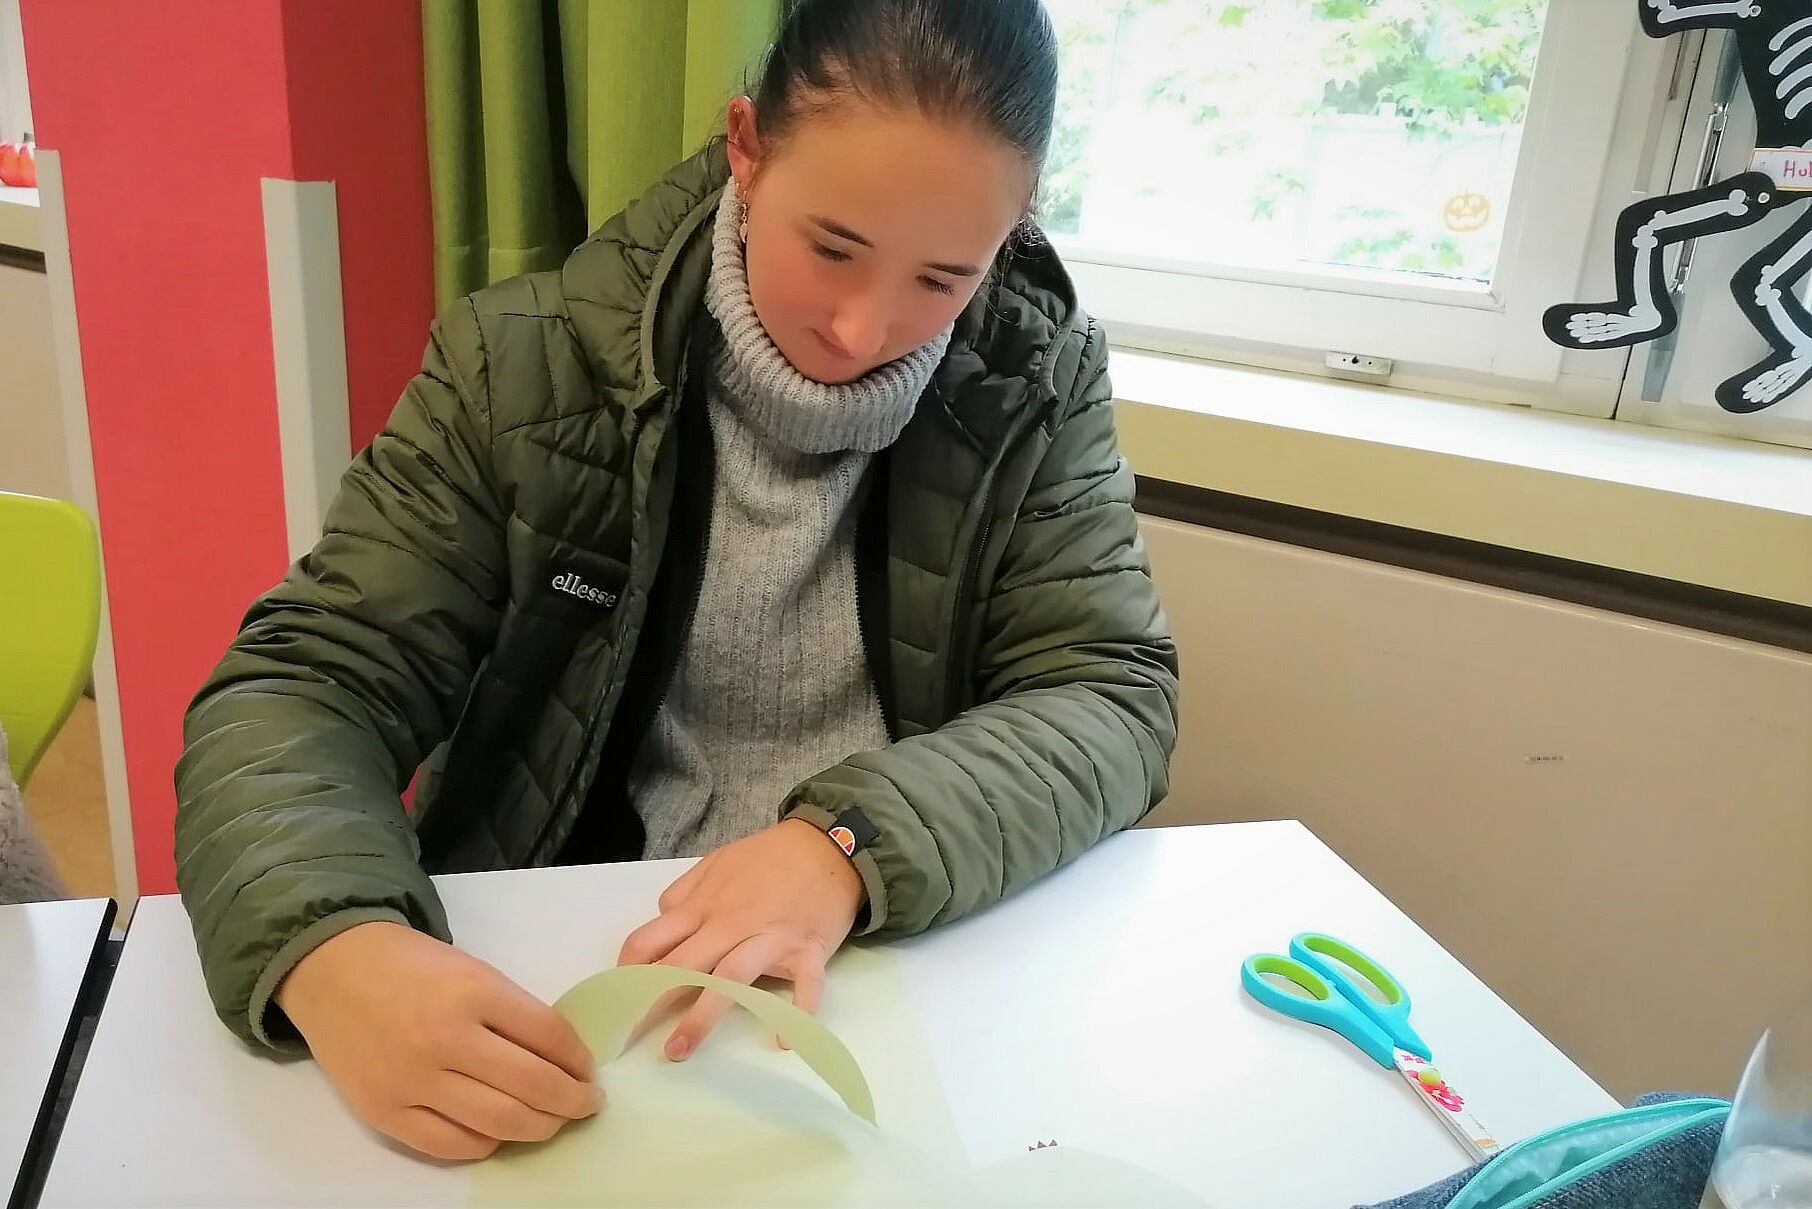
(777,903)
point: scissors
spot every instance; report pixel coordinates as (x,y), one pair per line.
(1317,967)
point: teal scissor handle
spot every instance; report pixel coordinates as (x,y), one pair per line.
(1319,1004)
(1326,956)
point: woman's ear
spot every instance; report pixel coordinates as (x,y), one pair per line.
(744,143)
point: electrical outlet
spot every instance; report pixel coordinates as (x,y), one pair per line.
(1359,363)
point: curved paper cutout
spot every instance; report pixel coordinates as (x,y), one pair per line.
(606,1007)
(739,1137)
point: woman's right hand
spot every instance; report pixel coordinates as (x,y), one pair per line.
(434,1047)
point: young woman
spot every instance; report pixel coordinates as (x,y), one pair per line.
(783,527)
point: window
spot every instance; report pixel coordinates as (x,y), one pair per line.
(1270,180)
(15,105)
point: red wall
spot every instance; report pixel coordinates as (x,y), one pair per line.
(166,116)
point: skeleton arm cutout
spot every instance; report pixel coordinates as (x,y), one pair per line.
(1664,18)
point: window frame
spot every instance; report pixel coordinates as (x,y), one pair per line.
(15,96)
(1478,338)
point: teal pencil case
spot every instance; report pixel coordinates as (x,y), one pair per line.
(1654,1155)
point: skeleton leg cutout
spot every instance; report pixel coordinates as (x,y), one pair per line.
(1764,290)
(1642,310)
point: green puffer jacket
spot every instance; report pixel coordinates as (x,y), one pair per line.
(495,566)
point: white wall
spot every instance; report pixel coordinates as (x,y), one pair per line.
(1609,820)
(33,457)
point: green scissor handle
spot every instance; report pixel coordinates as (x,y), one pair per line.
(1317,966)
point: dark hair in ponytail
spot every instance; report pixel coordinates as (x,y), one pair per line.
(990,63)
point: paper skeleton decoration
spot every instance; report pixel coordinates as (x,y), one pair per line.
(1774,46)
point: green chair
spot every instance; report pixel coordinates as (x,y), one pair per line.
(50,614)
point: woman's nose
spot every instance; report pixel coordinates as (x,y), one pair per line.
(860,327)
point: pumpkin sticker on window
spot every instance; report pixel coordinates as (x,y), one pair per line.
(1465,213)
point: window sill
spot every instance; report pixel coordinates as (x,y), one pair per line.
(19,219)
(1722,513)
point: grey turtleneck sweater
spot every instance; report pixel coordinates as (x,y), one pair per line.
(772,683)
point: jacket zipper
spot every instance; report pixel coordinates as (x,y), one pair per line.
(670,658)
(697,451)
(959,656)
(695,580)
(870,547)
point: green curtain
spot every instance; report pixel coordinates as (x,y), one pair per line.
(545,117)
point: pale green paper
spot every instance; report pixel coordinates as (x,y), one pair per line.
(606,1007)
(743,1124)
(1064,1177)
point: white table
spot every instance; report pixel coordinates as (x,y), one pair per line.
(46,950)
(1101,1008)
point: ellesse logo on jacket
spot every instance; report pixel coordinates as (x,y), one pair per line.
(572,584)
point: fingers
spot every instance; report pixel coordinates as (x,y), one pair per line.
(808,985)
(520,1017)
(659,940)
(807,972)
(745,963)
(484,1110)
(669,1002)
(700,951)
(426,1131)
(682,886)
(705,950)
(655,939)
(493,1059)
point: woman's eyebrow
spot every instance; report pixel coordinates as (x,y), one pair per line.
(839,230)
(842,232)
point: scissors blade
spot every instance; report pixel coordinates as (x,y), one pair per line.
(1446,1104)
